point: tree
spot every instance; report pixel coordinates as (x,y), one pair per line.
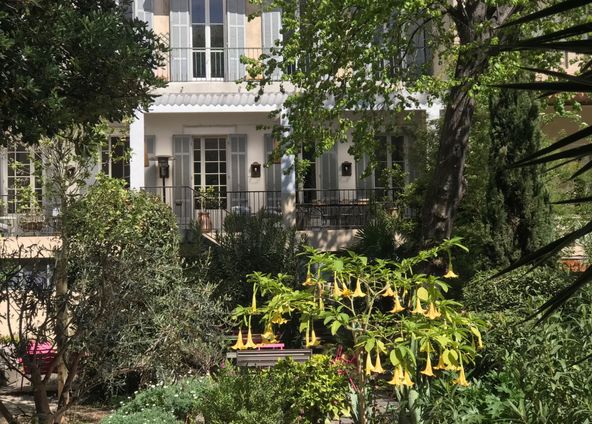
(377,309)
(571,38)
(123,283)
(71,63)
(348,61)
(518,215)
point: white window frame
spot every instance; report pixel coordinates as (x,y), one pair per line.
(208,41)
(201,139)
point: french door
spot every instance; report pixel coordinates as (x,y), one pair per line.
(207,32)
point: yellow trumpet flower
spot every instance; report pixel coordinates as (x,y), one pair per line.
(254,301)
(268,335)
(346,292)
(278,319)
(239,345)
(432,312)
(407,379)
(336,290)
(250,344)
(428,368)
(450,273)
(308,281)
(358,291)
(441,365)
(397,307)
(418,309)
(313,339)
(461,380)
(377,365)
(388,291)
(397,379)
(369,366)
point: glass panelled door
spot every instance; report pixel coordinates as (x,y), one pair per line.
(209,171)
(207,22)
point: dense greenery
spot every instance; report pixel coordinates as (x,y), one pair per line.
(68,63)
(506,212)
(288,393)
(377,309)
(258,243)
(124,251)
(528,373)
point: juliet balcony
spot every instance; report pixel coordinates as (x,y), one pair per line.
(225,64)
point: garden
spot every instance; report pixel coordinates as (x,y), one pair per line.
(458,302)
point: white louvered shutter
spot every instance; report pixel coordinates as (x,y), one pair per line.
(235,22)
(180,43)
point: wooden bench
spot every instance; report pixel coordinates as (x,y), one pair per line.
(268,357)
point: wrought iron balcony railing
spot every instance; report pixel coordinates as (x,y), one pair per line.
(315,209)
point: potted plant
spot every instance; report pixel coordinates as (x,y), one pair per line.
(207,199)
(30,214)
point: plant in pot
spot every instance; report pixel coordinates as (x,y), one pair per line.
(29,210)
(207,199)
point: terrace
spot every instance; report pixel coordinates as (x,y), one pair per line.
(315,210)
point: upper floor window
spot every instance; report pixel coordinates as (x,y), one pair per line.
(207,33)
(23,180)
(115,159)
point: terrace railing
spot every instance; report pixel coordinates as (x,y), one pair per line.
(25,220)
(315,209)
(340,208)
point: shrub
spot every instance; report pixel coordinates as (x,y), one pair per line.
(146,416)
(518,291)
(254,243)
(180,399)
(313,390)
(534,374)
(243,396)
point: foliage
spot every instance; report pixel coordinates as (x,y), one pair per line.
(125,257)
(370,64)
(70,64)
(570,38)
(536,376)
(518,214)
(313,390)
(263,244)
(391,230)
(243,396)
(152,415)
(181,399)
(352,295)
(515,291)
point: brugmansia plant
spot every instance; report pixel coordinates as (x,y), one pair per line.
(388,310)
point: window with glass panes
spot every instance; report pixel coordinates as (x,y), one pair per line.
(390,153)
(115,159)
(23,179)
(209,167)
(207,30)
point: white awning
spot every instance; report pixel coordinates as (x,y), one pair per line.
(216,102)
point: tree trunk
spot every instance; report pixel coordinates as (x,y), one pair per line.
(62,317)
(6,414)
(447,185)
(42,409)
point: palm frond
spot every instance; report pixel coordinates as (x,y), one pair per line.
(546,252)
(549,11)
(573,201)
(564,142)
(560,298)
(576,152)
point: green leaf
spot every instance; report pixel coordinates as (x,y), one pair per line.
(335,327)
